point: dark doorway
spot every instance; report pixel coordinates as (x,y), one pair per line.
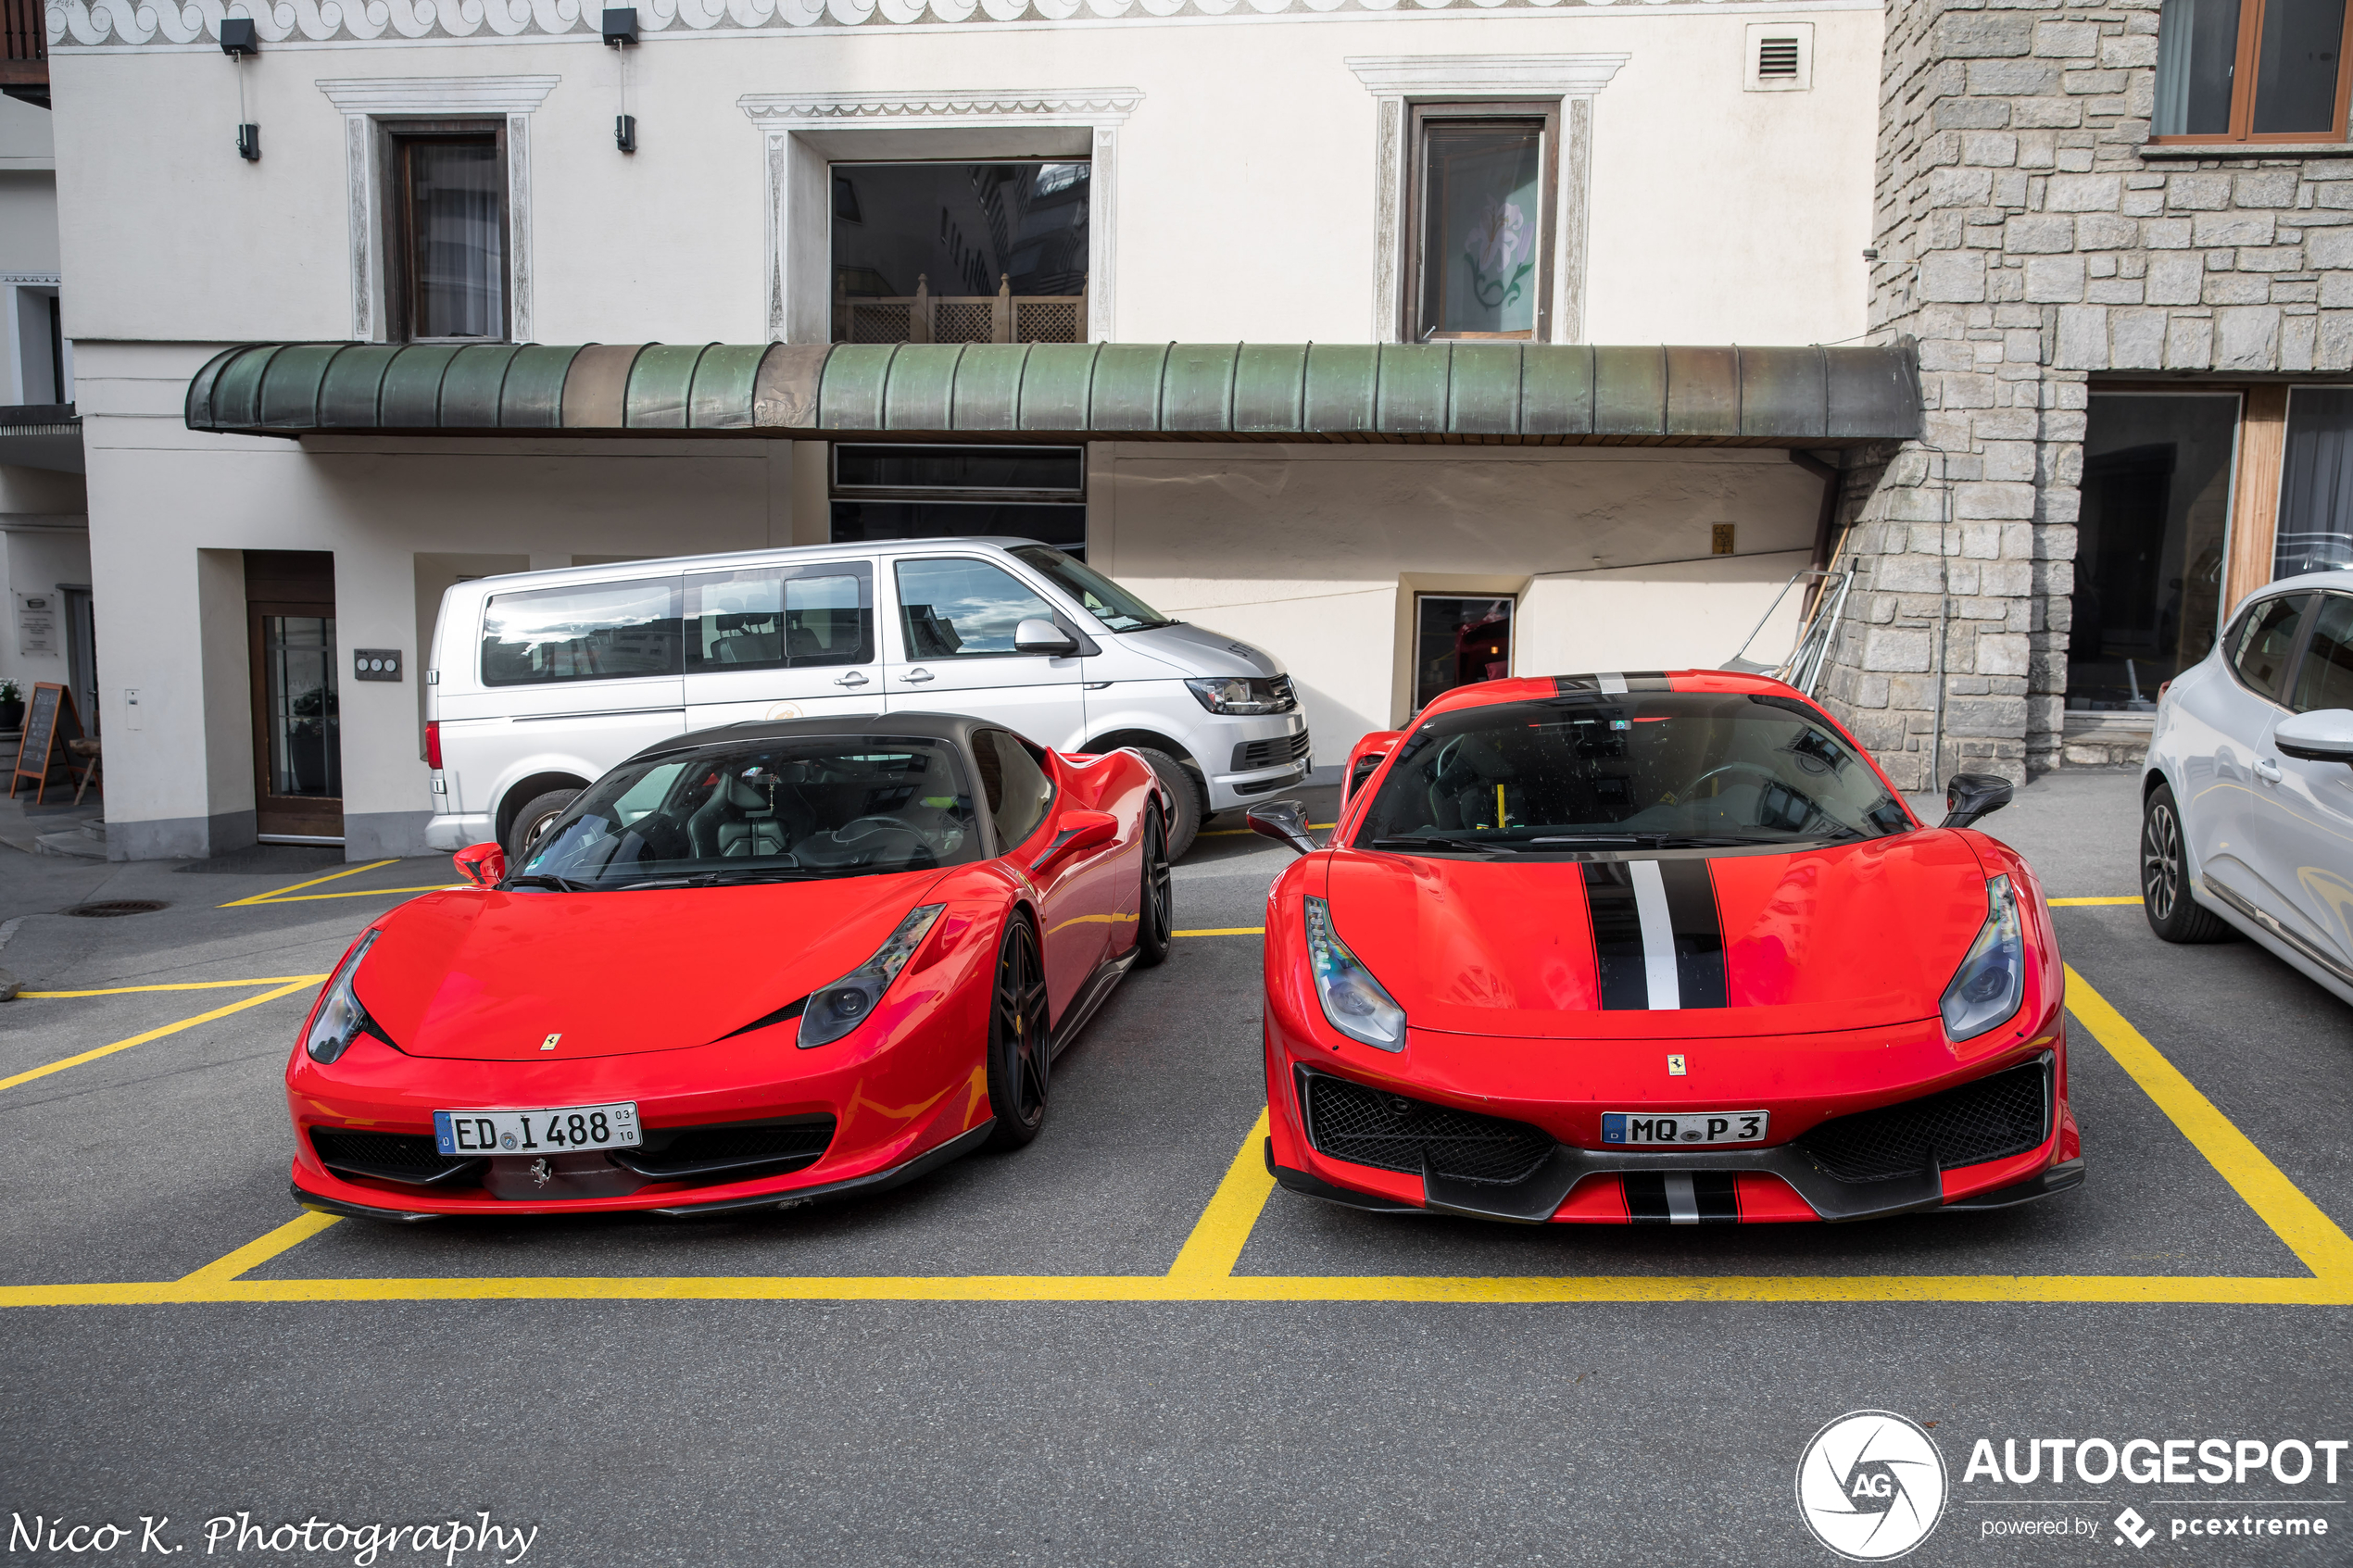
(297,741)
(1459,641)
(960,492)
(2148,544)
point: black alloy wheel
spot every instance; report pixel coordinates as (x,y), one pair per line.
(1152,913)
(1021,1045)
(2165,876)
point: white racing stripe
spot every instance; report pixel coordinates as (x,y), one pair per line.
(1682,1200)
(1612,685)
(1658,936)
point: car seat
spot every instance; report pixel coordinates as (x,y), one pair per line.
(740,818)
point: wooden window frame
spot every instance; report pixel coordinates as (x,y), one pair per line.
(2243,71)
(1420,113)
(394,137)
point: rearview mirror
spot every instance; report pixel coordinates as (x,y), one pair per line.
(482,864)
(1043,636)
(2322,736)
(1969,796)
(1286,823)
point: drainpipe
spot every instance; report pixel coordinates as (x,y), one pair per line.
(1830,478)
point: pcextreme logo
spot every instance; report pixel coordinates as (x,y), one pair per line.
(1871,1485)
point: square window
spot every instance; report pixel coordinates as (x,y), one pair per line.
(446,256)
(1480,222)
(2241,70)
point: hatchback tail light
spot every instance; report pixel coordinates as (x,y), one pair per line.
(432,743)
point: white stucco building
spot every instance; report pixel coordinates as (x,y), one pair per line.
(1485,186)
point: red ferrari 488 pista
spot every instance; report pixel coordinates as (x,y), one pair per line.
(1657,949)
(748,967)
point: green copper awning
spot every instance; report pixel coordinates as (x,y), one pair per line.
(1472,393)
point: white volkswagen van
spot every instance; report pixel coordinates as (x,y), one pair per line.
(541,681)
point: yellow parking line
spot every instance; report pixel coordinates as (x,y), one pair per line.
(265,897)
(2078,903)
(2280,1203)
(184,986)
(363,893)
(1224,931)
(155,1034)
(1218,1235)
(253,1254)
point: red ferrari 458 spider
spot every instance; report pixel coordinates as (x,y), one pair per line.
(749,967)
(1659,949)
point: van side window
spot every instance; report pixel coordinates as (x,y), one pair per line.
(1017,788)
(594,631)
(773,619)
(2266,637)
(965,608)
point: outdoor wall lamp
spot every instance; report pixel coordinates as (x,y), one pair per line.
(237,41)
(620,34)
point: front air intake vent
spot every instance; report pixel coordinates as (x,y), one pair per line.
(1366,1126)
(1992,1119)
(389,1157)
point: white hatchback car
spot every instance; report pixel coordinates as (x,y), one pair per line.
(2247,814)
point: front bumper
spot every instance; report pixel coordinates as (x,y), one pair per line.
(1247,759)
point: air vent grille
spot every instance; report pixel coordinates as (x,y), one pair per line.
(1776,59)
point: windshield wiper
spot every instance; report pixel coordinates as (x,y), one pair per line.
(1473,844)
(714,879)
(547,879)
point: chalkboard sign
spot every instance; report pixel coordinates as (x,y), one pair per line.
(49,722)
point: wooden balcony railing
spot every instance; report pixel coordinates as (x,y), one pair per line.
(26,63)
(925,316)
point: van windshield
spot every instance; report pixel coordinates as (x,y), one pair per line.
(1102,597)
(1644,770)
(776,811)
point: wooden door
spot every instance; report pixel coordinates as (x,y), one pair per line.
(297,743)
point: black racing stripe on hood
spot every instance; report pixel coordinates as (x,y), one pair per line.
(1618,935)
(1699,931)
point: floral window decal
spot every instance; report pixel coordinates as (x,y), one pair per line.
(1481,211)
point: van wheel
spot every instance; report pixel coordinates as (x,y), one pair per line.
(532,819)
(1188,798)
(2165,876)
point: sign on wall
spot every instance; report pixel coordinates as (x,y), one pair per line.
(37,622)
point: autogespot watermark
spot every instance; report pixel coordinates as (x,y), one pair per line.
(476,1540)
(1872,1485)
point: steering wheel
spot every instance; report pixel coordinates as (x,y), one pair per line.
(880,821)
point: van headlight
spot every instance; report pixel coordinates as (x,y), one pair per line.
(340,1019)
(1353,1001)
(1991,981)
(1242,696)
(834,1010)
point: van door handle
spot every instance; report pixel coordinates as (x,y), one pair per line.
(2267,771)
(916,675)
(852,679)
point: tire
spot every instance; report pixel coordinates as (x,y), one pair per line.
(532,819)
(1188,798)
(1020,1043)
(1152,910)
(2165,876)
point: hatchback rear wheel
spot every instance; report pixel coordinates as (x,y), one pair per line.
(2165,876)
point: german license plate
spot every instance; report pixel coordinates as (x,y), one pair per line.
(1628,1128)
(564,1128)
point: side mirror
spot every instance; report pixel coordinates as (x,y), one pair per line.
(1365,758)
(2325,735)
(1969,796)
(1080,830)
(485,865)
(1285,821)
(1044,636)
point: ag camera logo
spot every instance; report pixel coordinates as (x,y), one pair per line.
(1871,1485)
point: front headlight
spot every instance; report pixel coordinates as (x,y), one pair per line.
(1353,1000)
(1991,981)
(1242,696)
(340,1019)
(834,1010)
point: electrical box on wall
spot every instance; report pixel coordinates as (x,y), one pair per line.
(375,664)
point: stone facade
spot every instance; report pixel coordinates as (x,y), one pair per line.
(2028,239)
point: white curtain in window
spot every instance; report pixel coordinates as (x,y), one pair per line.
(2316,489)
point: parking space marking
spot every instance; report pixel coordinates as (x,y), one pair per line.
(278,893)
(180,986)
(2280,1203)
(141,1039)
(2080,903)
(1203,1268)
(1224,931)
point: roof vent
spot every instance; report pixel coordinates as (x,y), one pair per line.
(1780,57)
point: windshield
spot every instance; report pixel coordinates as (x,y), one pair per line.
(1643,771)
(1103,599)
(776,811)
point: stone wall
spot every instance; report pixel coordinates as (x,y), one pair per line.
(2027,239)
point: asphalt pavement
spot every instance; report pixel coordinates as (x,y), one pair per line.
(1332,1387)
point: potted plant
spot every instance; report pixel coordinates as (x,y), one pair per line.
(11,706)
